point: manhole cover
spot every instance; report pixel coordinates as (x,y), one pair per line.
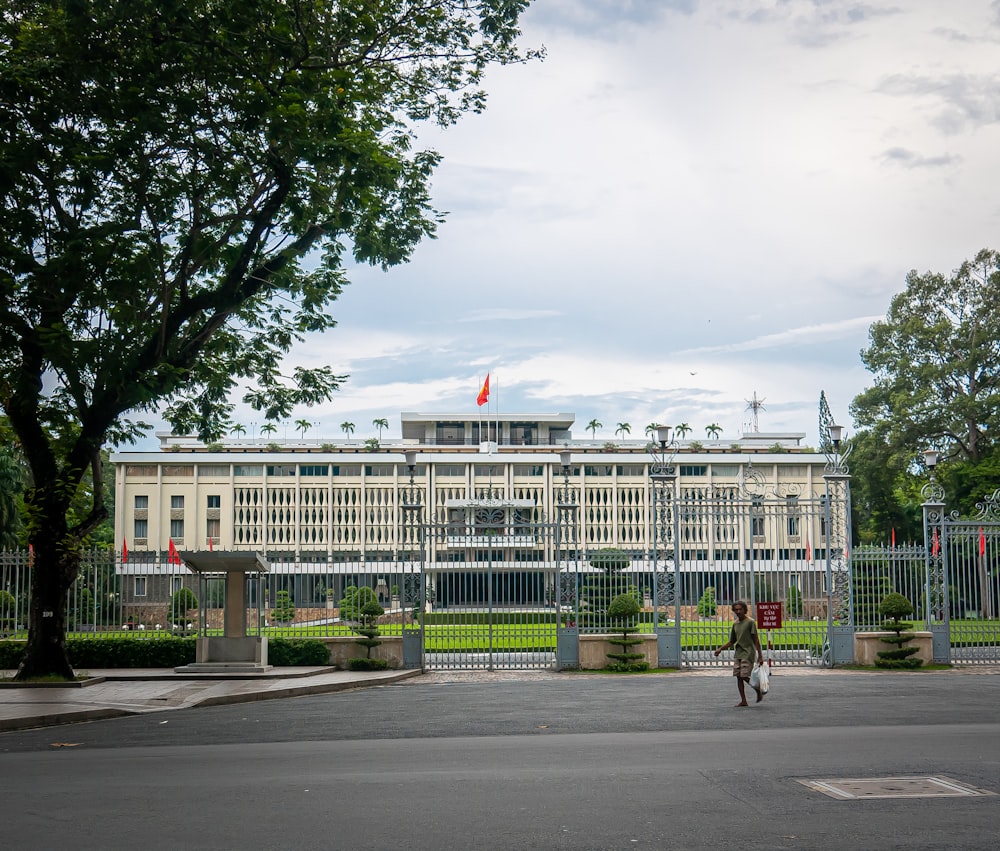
(894,787)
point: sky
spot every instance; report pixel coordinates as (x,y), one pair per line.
(685,205)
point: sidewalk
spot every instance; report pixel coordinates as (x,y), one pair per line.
(114,693)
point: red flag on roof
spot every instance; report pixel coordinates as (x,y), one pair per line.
(484,394)
(172,555)
(124,551)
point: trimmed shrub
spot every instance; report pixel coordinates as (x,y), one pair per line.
(708,606)
(893,607)
(623,612)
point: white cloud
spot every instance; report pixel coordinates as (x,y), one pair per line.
(684,204)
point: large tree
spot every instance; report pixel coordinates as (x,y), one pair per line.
(936,363)
(181,182)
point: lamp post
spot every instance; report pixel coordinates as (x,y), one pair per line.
(567,578)
(837,515)
(664,542)
(936,614)
(414,582)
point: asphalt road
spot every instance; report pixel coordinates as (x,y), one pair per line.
(543,762)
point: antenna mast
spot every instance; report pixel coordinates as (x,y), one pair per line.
(756,406)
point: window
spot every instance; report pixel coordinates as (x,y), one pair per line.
(141,502)
(213,527)
(794,517)
(380,469)
(281,469)
(631,470)
(144,471)
(450,470)
(347,469)
(217,471)
(214,501)
(725,471)
(597,470)
(314,469)
(175,584)
(489,471)
(176,501)
(140,528)
(179,471)
(177,528)
(694,469)
(529,470)
(248,469)
(139,586)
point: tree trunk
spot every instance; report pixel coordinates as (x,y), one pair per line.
(52,574)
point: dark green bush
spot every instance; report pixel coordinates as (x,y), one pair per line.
(363,664)
(297,652)
(164,652)
(894,606)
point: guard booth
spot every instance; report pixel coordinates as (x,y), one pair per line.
(241,648)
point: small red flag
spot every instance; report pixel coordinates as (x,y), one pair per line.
(809,551)
(172,555)
(982,542)
(935,544)
(210,545)
(484,394)
(124,551)
(893,537)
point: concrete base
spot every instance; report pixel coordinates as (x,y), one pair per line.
(867,645)
(344,648)
(594,650)
(238,654)
(223,668)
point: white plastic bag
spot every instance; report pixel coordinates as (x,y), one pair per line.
(755,676)
(763,678)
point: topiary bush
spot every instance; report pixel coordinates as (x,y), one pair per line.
(708,606)
(182,601)
(892,608)
(284,608)
(623,613)
(793,602)
(368,628)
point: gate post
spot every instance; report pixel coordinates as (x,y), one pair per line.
(567,579)
(936,609)
(413,583)
(837,511)
(663,476)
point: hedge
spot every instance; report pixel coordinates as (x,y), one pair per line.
(163,652)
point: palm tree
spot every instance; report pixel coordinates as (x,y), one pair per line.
(347,428)
(593,426)
(683,429)
(303,426)
(380,423)
(713,431)
(268,428)
(651,429)
(623,429)
(236,428)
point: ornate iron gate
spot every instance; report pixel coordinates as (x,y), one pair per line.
(490,586)
(961,597)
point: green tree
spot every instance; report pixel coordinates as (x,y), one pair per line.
(622,429)
(935,360)
(380,423)
(237,428)
(593,426)
(682,430)
(268,428)
(182,602)
(354,600)
(708,605)
(713,431)
(347,428)
(11,489)
(167,169)
(284,607)
(302,426)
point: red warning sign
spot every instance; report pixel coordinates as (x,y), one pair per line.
(769,615)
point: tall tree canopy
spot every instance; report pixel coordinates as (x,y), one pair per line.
(935,359)
(936,363)
(165,168)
